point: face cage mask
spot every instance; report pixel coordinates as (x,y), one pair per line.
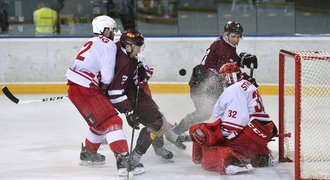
(230,78)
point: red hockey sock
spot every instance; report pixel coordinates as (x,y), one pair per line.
(119,146)
(91,147)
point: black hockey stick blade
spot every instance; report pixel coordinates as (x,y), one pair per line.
(9,95)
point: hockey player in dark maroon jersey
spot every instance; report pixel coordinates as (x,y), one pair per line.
(205,83)
(130,73)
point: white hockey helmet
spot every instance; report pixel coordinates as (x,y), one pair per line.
(101,22)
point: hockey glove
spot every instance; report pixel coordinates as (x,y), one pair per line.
(248,59)
(250,79)
(142,73)
(198,136)
(132,119)
(206,133)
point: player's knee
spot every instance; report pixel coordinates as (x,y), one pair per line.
(155,125)
(155,134)
(112,124)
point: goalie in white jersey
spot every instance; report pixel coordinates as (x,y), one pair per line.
(88,81)
(242,129)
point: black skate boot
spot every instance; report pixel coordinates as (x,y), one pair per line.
(91,158)
(162,152)
(122,163)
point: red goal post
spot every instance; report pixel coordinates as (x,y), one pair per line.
(304,111)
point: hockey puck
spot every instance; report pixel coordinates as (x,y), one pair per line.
(182,72)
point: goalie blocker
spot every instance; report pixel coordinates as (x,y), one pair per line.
(216,153)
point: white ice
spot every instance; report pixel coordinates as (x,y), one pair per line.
(42,141)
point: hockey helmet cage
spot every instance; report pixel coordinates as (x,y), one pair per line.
(132,37)
(231,73)
(233,27)
(101,22)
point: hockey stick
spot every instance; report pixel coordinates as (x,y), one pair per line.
(251,70)
(129,170)
(13,98)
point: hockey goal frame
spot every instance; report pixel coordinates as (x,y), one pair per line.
(297,58)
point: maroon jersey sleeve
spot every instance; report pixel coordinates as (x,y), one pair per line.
(123,74)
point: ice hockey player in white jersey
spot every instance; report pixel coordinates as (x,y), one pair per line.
(88,82)
(242,129)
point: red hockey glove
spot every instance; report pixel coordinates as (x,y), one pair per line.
(132,119)
(248,59)
(197,135)
(201,134)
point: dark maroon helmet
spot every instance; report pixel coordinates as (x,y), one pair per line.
(132,37)
(233,27)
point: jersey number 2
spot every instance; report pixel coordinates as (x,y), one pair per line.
(87,46)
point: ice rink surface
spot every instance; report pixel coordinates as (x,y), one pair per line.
(42,141)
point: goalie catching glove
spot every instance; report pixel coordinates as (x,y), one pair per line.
(132,119)
(248,59)
(207,133)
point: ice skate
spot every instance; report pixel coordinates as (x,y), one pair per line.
(122,163)
(184,138)
(90,158)
(177,142)
(240,169)
(134,163)
(162,152)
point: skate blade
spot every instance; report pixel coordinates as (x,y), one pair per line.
(139,170)
(167,160)
(232,170)
(91,163)
(124,173)
(177,144)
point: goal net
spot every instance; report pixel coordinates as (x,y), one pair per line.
(304,111)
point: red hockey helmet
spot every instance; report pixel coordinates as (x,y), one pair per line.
(233,27)
(231,73)
(132,37)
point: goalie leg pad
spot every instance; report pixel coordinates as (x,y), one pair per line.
(197,153)
(216,158)
(222,159)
